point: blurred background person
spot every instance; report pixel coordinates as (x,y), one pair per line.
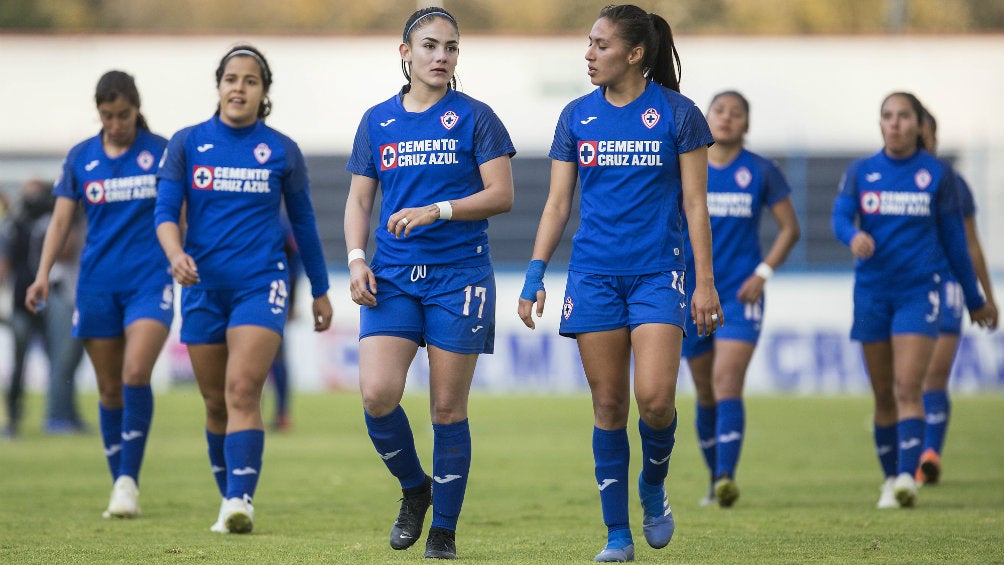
(741,184)
(23,234)
(937,405)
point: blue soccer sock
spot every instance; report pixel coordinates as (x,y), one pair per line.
(136,418)
(612,455)
(705,423)
(656,448)
(110,422)
(730,429)
(451,463)
(392,437)
(217,460)
(911,441)
(886,449)
(280,376)
(937,411)
(243,451)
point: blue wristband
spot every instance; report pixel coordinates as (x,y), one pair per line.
(534,280)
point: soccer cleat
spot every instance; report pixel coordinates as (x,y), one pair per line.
(709,499)
(657,523)
(238,515)
(441,544)
(124,502)
(888,498)
(615,554)
(929,470)
(905,490)
(219,527)
(726,491)
(415,503)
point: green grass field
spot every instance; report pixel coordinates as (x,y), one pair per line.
(808,474)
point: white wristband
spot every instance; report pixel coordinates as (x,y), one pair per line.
(445,210)
(764,271)
(356,254)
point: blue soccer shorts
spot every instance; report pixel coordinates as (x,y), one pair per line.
(953,306)
(742,323)
(596,303)
(452,308)
(101,314)
(880,315)
(206,315)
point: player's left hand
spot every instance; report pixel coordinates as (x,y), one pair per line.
(985,317)
(401,223)
(751,289)
(706,310)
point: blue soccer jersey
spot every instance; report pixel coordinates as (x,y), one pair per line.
(424,157)
(232,181)
(629,171)
(118,195)
(737,193)
(911,208)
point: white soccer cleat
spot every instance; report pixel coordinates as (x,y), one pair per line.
(124,502)
(905,490)
(238,515)
(219,527)
(888,497)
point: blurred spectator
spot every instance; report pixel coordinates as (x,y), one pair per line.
(21,237)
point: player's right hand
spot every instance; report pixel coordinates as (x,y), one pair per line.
(37,296)
(184,270)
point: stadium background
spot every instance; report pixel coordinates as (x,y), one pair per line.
(815,107)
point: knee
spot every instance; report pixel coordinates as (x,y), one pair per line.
(135,375)
(110,396)
(376,406)
(242,395)
(657,413)
(447,414)
(611,413)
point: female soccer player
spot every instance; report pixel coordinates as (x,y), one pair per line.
(898,211)
(935,397)
(125,298)
(442,162)
(638,147)
(740,184)
(231,173)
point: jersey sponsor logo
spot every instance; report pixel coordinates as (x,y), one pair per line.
(121,189)
(449,119)
(419,152)
(650,117)
(662,461)
(620,153)
(476,329)
(262,152)
(923,179)
(244,471)
(566,308)
(145,160)
(390,455)
(873,177)
(587,153)
(910,443)
(730,437)
(388,156)
(388,122)
(204,147)
(231,179)
(606,482)
(131,435)
(92,165)
(896,203)
(730,204)
(113,449)
(447,478)
(587,120)
(743,178)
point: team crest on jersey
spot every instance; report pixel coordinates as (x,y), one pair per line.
(145,160)
(922,178)
(262,153)
(870,202)
(388,156)
(95,192)
(449,119)
(650,117)
(202,178)
(743,177)
(587,153)
(566,308)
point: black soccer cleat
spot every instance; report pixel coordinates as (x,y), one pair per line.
(415,503)
(441,544)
